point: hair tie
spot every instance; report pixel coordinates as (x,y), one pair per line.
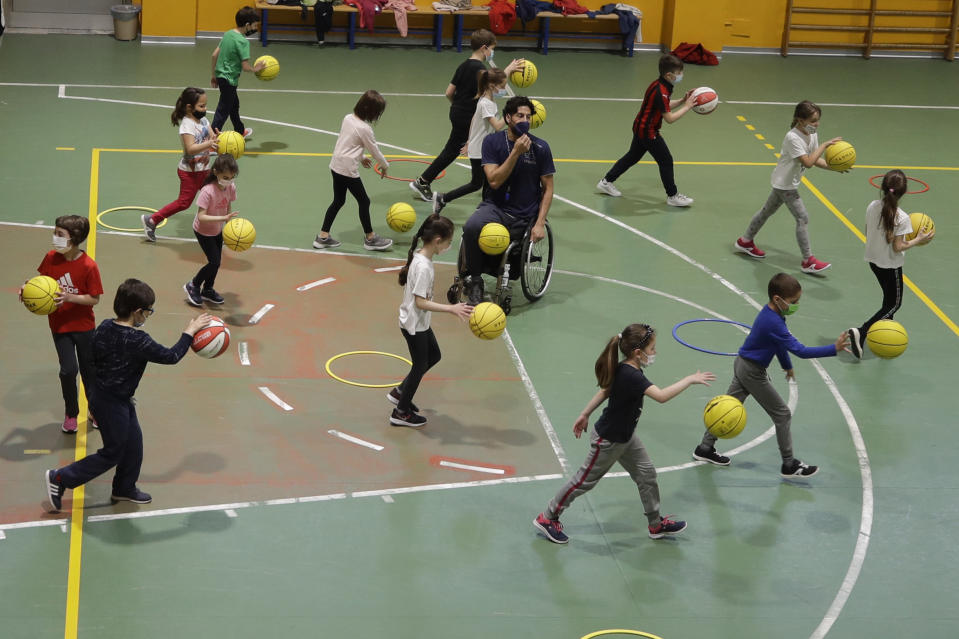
(619,336)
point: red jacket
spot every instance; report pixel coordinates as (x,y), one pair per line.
(502,15)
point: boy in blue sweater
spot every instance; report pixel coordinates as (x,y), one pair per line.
(769,336)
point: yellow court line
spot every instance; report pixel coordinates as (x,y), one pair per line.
(750,127)
(66,148)
(740,118)
(759,136)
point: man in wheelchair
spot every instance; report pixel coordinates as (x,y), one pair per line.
(519,189)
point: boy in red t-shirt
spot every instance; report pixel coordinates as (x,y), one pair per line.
(72,324)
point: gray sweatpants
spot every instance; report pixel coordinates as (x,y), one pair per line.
(603,453)
(750,378)
(793,202)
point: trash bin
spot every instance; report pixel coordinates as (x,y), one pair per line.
(125,21)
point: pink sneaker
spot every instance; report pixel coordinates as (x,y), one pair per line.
(812,265)
(69,425)
(91,421)
(749,248)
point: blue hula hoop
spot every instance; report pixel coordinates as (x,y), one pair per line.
(706,350)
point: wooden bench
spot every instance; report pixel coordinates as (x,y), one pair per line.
(436,32)
(545,19)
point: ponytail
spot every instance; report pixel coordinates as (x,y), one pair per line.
(487,78)
(189,97)
(893,187)
(433,227)
(633,336)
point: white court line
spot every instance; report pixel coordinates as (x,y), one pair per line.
(387,499)
(33,524)
(388,268)
(243,352)
(273,398)
(325,280)
(260,313)
(462,484)
(479,469)
(230,513)
(355,440)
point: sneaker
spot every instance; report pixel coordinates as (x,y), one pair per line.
(53,489)
(247,134)
(395,396)
(325,242)
(749,248)
(69,425)
(149,228)
(377,243)
(665,527)
(679,200)
(551,528)
(410,419)
(796,468)
(92,421)
(812,265)
(438,203)
(192,295)
(710,455)
(211,296)
(422,189)
(474,291)
(138,497)
(854,344)
(608,188)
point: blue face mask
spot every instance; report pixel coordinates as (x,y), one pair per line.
(522,128)
(679,78)
(502,93)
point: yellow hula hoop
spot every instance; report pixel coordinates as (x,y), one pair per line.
(346,381)
(126,208)
(620,631)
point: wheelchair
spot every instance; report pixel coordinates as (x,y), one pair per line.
(529,262)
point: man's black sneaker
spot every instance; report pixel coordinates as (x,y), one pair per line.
(475,290)
(53,490)
(710,455)
(211,296)
(410,419)
(854,344)
(796,468)
(395,396)
(193,297)
(422,189)
(138,497)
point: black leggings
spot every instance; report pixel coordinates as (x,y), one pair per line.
(75,352)
(660,152)
(341,184)
(425,353)
(459,133)
(213,248)
(477,180)
(227,106)
(890,280)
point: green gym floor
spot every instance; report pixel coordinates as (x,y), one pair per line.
(284,503)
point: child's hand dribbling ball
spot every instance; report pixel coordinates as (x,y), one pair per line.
(212,339)
(840,155)
(238,234)
(487,321)
(266,67)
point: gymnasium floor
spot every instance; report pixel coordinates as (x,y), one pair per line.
(266,522)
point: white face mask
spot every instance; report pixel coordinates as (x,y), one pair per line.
(489,58)
(60,244)
(811,128)
(650,360)
(679,78)
(224,183)
(501,93)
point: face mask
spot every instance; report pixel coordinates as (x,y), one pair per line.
(650,360)
(502,93)
(679,78)
(251,31)
(60,244)
(811,128)
(489,58)
(138,324)
(224,183)
(199,115)
(790,308)
(521,128)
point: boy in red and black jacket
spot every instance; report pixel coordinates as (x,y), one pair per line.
(657,107)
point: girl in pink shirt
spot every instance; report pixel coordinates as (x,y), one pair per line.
(213,211)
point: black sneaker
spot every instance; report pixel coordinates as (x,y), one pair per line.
(551,528)
(666,526)
(395,396)
(193,297)
(438,203)
(422,189)
(149,228)
(410,419)
(53,489)
(710,455)
(796,468)
(211,296)
(854,344)
(475,290)
(138,497)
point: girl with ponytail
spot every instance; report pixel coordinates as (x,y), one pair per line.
(886,228)
(614,438)
(416,278)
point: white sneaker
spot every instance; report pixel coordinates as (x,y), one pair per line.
(608,188)
(247,133)
(679,200)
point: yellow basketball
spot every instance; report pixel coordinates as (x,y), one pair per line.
(239,234)
(38,295)
(840,156)
(524,77)
(271,69)
(724,416)
(921,223)
(487,321)
(887,339)
(231,142)
(539,114)
(493,239)
(401,217)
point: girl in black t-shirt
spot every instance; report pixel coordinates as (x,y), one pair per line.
(614,436)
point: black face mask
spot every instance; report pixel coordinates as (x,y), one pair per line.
(199,115)
(251,31)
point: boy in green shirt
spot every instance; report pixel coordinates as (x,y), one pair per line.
(230,58)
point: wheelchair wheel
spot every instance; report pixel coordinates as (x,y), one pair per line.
(536,265)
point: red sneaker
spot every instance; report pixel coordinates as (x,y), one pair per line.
(749,248)
(812,265)
(69,425)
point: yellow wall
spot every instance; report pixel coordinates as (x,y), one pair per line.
(169,18)
(218,15)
